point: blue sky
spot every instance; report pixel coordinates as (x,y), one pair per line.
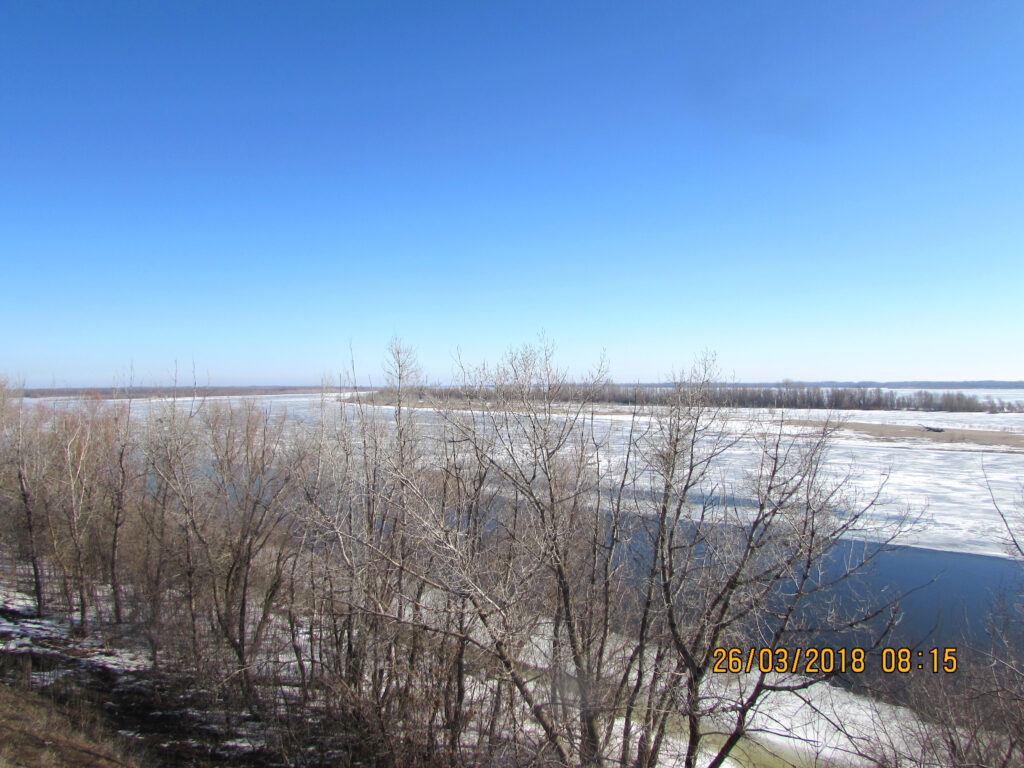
(263,191)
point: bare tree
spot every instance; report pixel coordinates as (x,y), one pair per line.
(243,542)
(122,472)
(26,466)
(606,587)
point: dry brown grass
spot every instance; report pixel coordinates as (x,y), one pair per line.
(35,734)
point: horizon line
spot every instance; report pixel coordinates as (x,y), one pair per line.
(268,389)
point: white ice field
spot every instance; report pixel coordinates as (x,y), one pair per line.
(952,484)
(949,485)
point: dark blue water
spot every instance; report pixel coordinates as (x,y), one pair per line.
(940,599)
(945,598)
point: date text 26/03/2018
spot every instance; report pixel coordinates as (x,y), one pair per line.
(826,661)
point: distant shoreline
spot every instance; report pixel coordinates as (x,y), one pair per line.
(961,385)
(180,391)
(282,389)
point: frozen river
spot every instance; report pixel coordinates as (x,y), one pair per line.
(949,485)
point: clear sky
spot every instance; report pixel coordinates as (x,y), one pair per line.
(812,190)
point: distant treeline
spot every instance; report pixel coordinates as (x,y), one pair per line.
(835,398)
(917,384)
(768,396)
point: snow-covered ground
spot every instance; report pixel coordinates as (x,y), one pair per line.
(21,632)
